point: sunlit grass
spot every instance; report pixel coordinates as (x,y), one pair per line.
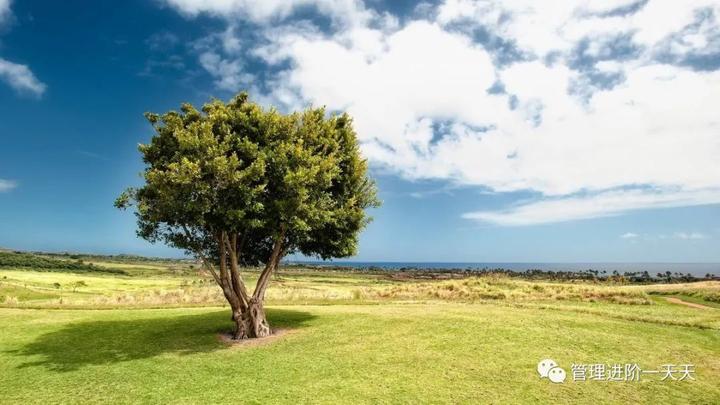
(400,353)
(356,337)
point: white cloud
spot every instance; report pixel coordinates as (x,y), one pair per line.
(388,90)
(20,78)
(7,185)
(690,235)
(17,76)
(542,28)
(418,92)
(4,10)
(265,11)
(598,205)
(229,74)
(677,235)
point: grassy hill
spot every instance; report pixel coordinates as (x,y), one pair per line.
(153,335)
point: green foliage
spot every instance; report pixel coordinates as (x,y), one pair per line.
(78,284)
(121,258)
(29,260)
(239,169)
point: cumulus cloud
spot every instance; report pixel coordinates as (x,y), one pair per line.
(20,78)
(597,107)
(7,185)
(541,29)
(629,235)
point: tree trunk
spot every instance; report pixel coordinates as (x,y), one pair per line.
(248,313)
(251,323)
(241,331)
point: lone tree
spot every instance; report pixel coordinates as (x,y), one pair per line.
(237,185)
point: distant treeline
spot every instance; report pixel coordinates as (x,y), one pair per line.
(638,277)
(37,262)
(125,258)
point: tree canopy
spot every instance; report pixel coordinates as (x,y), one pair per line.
(236,184)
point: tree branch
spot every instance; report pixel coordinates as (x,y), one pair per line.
(237,282)
(270,266)
(231,294)
(223,259)
(202,257)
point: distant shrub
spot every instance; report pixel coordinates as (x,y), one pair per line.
(712,296)
(37,262)
(78,284)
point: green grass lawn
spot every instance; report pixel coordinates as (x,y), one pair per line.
(373,340)
(407,353)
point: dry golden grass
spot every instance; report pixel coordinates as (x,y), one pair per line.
(504,288)
(707,291)
(30,289)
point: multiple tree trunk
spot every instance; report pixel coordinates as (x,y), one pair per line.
(248,312)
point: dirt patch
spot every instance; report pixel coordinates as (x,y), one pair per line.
(276,335)
(687,304)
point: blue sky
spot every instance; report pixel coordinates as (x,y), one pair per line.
(587,131)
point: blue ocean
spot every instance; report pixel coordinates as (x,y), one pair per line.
(696,269)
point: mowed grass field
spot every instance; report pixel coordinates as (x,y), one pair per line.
(349,338)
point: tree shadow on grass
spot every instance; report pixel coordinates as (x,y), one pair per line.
(106,342)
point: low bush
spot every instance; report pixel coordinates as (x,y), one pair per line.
(43,263)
